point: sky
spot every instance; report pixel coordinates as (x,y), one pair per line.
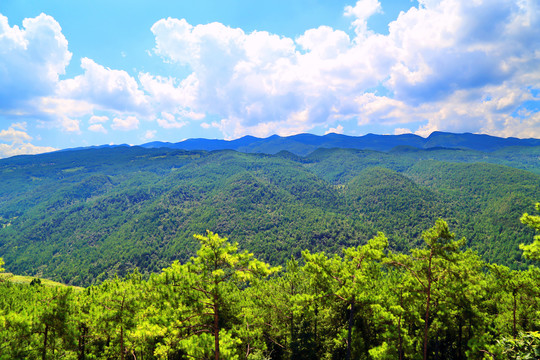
(94,72)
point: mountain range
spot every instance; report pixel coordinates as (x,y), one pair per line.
(303,144)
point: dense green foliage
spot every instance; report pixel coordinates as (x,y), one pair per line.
(437,301)
(531,251)
(81,217)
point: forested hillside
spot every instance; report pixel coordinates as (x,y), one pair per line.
(438,301)
(82,216)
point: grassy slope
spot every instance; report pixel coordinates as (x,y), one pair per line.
(19,279)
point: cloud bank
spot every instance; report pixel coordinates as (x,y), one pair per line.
(450,65)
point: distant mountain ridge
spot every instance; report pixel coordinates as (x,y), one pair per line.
(303,144)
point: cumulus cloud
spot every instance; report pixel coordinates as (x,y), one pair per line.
(23,149)
(362,11)
(13,135)
(96,123)
(438,64)
(18,142)
(105,88)
(167,94)
(469,46)
(337,130)
(69,125)
(258,82)
(383,109)
(129,123)
(169,121)
(97,128)
(32,58)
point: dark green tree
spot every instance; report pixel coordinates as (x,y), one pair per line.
(429,269)
(349,279)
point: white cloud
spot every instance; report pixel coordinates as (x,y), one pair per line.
(401,131)
(13,135)
(170,96)
(382,109)
(98,119)
(325,42)
(18,141)
(69,124)
(31,58)
(526,127)
(454,65)
(362,11)
(490,110)
(97,128)
(20,126)
(23,149)
(169,121)
(337,130)
(258,82)
(105,88)
(129,123)
(436,64)
(149,134)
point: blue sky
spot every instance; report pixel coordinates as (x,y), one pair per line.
(91,72)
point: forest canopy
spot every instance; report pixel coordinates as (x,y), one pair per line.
(439,300)
(80,217)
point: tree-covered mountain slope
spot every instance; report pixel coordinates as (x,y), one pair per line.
(82,216)
(485,199)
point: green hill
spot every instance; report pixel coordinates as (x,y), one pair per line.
(82,216)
